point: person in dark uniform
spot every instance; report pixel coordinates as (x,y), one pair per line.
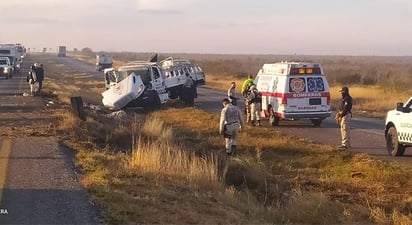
(40,76)
(344,116)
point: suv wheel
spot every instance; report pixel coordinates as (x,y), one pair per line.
(392,144)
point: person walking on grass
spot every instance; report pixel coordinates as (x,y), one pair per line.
(231,93)
(343,117)
(231,122)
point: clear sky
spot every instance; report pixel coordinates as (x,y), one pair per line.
(312,27)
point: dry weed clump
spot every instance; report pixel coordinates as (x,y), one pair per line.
(156,128)
(168,161)
(303,207)
(162,157)
(67,121)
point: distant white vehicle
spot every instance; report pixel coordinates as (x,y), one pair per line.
(103,61)
(6,69)
(14,53)
(173,66)
(398,128)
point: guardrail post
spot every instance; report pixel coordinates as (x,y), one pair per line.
(77,107)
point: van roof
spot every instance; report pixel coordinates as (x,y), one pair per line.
(291,68)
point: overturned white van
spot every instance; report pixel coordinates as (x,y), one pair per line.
(294,90)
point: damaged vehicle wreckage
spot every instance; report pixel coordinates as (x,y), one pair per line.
(149,84)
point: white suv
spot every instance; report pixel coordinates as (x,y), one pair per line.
(398,128)
(6,69)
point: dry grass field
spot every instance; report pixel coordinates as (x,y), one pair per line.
(164,167)
(176,172)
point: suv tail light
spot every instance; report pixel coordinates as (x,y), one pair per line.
(328,98)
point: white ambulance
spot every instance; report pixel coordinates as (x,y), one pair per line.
(294,90)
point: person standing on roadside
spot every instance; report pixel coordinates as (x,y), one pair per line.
(32,79)
(344,116)
(231,93)
(255,99)
(40,76)
(231,122)
(245,92)
(188,95)
(246,84)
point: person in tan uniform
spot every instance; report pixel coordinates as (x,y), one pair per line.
(231,121)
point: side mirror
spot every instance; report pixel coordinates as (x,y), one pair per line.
(399,106)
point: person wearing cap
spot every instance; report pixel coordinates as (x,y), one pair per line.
(255,99)
(344,115)
(231,121)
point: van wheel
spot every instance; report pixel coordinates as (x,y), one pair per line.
(316,123)
(273,119)
(392,143)
(154,102)
(173,94)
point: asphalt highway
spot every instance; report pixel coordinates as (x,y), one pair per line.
(38,181)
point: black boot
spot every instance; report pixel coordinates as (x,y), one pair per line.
(258,123)
(233,152)
(228,153)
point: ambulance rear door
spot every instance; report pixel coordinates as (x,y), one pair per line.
(307,96)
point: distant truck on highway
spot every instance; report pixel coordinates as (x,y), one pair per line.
(103,61)
(62,51)
(14,53)
(398,128)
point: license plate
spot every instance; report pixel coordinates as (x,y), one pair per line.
(315,101)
